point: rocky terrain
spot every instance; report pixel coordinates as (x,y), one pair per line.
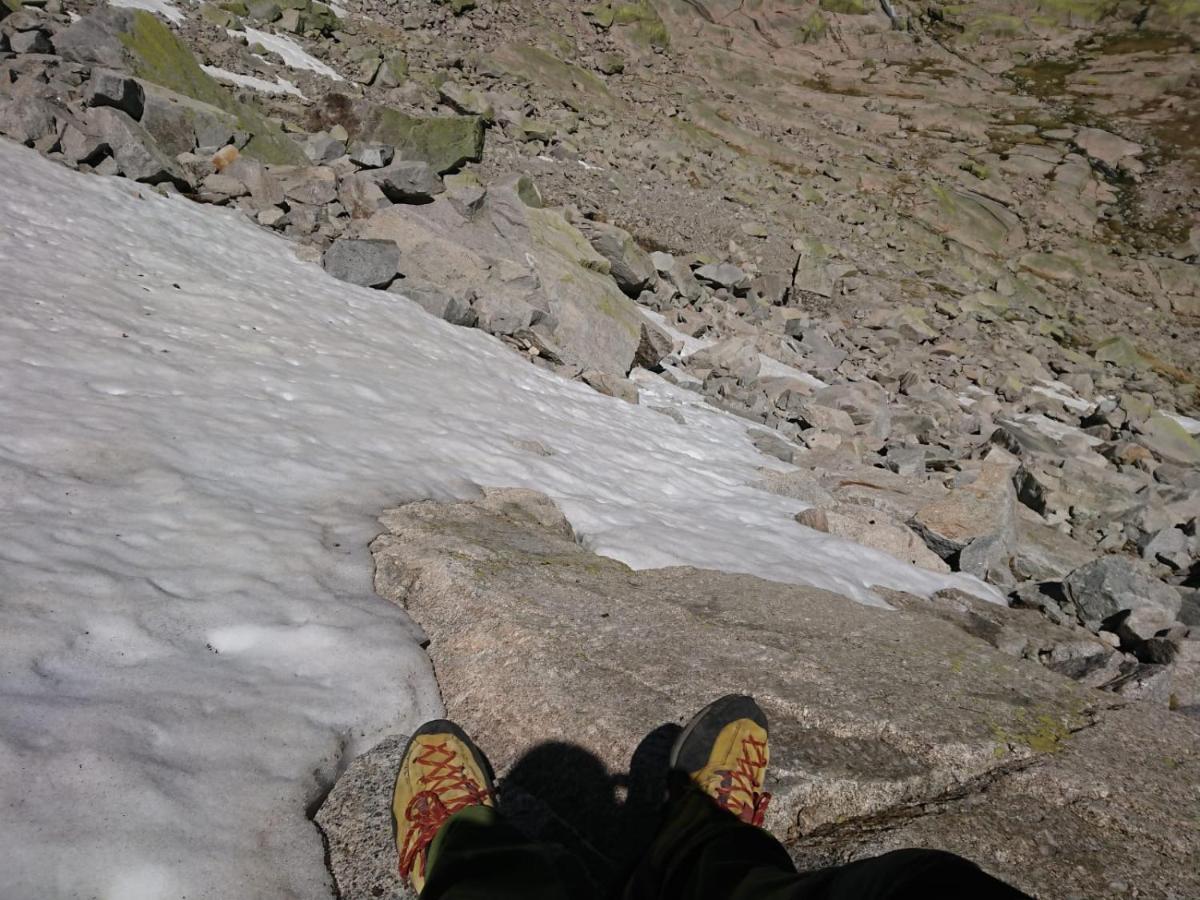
(943,260)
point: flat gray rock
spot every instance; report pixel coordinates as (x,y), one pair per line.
(367,263)
(1112,584)
(573,672)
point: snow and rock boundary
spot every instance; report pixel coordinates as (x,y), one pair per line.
(201,431)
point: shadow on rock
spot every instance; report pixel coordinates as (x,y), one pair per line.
(561,793)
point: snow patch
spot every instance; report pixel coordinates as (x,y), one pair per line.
(199,432)
(1190,425)
(278,86)
(164,8)
(293,55)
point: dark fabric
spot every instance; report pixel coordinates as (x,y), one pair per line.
(700,853)
(704,853)
(476,855)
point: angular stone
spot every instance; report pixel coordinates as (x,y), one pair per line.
(107,88)
(94,38)
(737,357)
(875,529)
(503,314)
(35,40)
(408,181)
(629,265)
(323,147)
(435,300)
(653,347)
(974,526)
(310,185)
(611,385)
(368,263)
(677,274)
(371,156)
(136,154)
(1170,441)
(28,120)
(265,189)
(724,275)
(465,192)
(1108,148)
(1119,351)
(446,143)
(1111,585)
(361,195)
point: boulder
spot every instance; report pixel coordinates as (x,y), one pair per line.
(629,264)
(135,151)
(436,301)
(444,142)
(372,156)
(724,275)
(654,346)
(876,715)
(95,38)
(503,313)
(310,185)
(265,189)
(35,40)
(1110,149)
(526,264)
(1170,441)
(28,120)
(677,274)
(736,357)
(1107,587)
(974,526)
(407,181)
(180,124)
(107,88)
(157,55)
(363,262)
(875,529)
(611,385)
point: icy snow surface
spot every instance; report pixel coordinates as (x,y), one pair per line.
(278,86)
(293,55)
(1190,425)
(199,431)
(164,8)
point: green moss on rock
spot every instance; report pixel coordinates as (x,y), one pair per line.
(812,29)
(160,57)
(846,7)
(445,142)
(645,25)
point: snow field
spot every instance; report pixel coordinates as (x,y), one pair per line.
(199,431)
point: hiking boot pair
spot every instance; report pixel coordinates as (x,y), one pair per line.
(723,750)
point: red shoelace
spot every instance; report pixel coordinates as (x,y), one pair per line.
(745,779)
(427,811)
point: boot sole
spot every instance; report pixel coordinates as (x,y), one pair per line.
(693,747)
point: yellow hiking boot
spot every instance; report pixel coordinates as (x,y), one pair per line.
(723,749)
(442,772)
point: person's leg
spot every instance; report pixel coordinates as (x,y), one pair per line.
(478,856)
(452,842)
(711,848)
